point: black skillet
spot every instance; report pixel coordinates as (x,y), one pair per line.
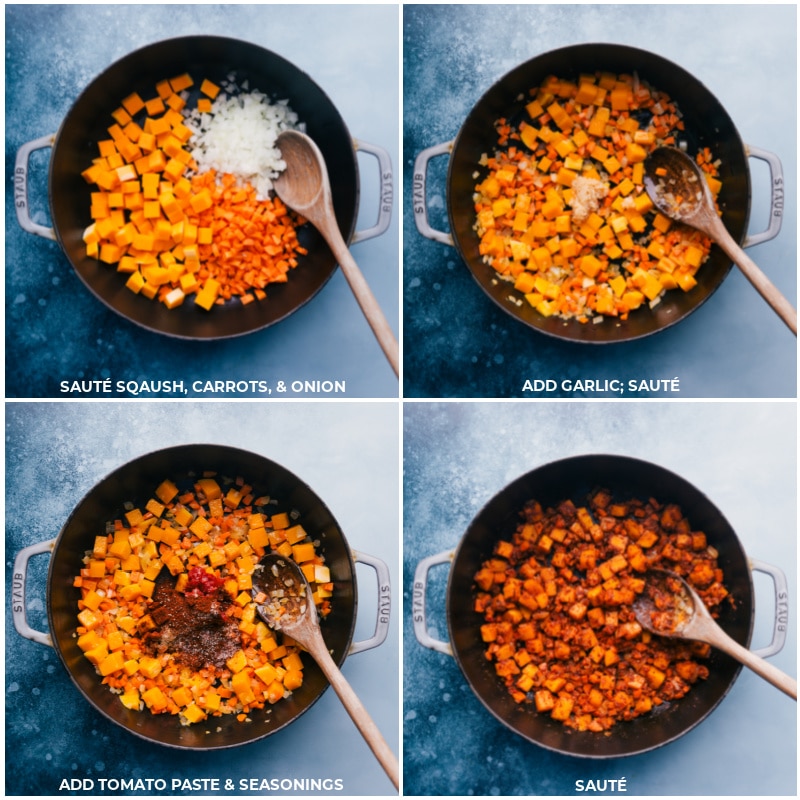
(707,124)
(575,478)
(135,482)
(215,58)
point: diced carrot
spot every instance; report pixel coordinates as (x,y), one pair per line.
(562,209)
(219,536)
(212,237)
(582,658)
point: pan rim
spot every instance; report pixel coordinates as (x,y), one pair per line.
(246,319)
(180,450)
(588,738)
(567,330)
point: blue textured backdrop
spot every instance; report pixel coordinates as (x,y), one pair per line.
(457,342)
(55,329)
(457,456)
(57,452)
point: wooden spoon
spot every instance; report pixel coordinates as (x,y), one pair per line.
(289,608)
(304,186)
(670,174)
(670,607)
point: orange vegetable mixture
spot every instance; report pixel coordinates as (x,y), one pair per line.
(556,602)
(222,528)
(174,234)
(563,214)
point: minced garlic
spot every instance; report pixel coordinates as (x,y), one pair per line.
(587,193)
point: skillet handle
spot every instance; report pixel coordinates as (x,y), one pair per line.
(386,190)
(384,603)
(781,623)
(18,591)
(21,187)
(419,195)
(776,196)
(418,608)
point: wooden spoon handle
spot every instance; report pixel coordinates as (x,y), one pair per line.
(355,708)
(782,307)
(372,311)
(761,667)
(360,288)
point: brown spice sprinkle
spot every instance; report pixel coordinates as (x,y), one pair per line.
(557,605)
(166,614)
(195,628)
